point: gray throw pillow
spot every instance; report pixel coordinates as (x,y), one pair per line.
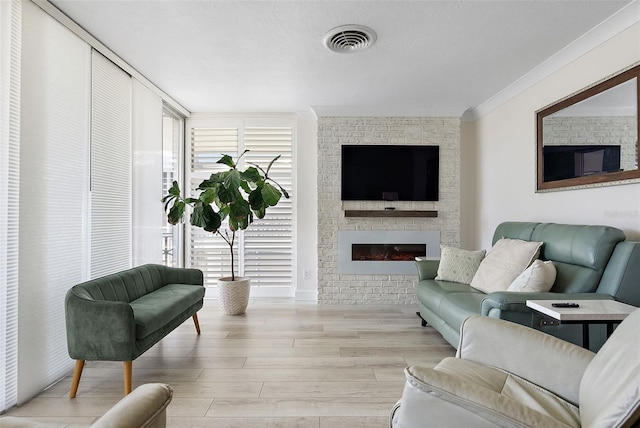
(457,265)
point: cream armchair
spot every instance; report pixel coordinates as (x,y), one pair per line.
(508,375)
(144,407)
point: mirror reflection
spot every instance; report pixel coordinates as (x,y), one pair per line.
(591,137)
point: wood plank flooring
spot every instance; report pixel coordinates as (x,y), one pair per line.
(282,364)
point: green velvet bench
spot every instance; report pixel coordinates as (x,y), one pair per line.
(120,316)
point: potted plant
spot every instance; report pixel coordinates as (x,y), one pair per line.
(232,195)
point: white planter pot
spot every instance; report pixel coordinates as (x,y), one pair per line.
(233,296)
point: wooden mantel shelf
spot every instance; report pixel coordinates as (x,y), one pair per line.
(389,213)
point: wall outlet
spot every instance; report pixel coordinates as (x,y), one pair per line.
(306,274)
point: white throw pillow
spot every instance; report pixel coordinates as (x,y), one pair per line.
(507,259)
(457,265)
(539,277)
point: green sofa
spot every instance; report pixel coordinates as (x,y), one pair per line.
(592,262)
(119,316)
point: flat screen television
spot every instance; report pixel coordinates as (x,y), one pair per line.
(563,162)
(384,172)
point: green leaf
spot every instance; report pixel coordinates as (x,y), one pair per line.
(251,174)
(232,180)
(255,200)
(208,196)
(175,189)
(228,161)
(205,217)
(270,195)
(176,212)
(212,218)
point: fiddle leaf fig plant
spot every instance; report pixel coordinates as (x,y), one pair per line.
(233,195)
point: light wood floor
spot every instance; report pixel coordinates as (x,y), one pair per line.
(283,364)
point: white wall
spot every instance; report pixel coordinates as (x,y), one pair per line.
(306,208)
(505,141)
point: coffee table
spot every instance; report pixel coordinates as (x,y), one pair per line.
(607,312)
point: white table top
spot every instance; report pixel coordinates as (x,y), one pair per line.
(589,310)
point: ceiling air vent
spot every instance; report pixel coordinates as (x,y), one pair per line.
(349,38)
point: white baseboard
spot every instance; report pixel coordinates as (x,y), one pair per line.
(307,295)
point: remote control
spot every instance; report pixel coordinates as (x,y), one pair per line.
(565,305)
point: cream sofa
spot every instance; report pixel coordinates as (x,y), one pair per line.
(508,375)
(144,407)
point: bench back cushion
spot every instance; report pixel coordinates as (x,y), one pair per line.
(579,253)
(125,286)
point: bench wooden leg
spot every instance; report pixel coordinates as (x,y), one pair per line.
(128,369)
(77,372)
(195,321)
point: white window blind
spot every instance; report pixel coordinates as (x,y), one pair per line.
(110,168)
(10,26)
(209,252)
(147,172)
(264,250)
(268,242)
(54,126)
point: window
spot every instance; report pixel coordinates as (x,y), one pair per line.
(265,249)
(172,155)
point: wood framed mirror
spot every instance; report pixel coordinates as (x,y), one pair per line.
(591,137)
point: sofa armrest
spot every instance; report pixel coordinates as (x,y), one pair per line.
(144,407)
(516,301)
(191,276)
(427,269)
(99,329)
(491,341)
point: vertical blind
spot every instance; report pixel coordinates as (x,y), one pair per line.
(110,167)
(10,25)
(264,251)
(53,193)
(65,125)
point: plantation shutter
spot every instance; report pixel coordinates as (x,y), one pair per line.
(207,251)
(265,250)
(110,168)
(268,242)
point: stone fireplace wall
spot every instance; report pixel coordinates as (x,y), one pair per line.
(335,288)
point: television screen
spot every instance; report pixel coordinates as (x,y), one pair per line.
(563,162)
(403,173)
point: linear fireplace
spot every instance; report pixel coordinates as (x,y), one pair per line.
(388,252)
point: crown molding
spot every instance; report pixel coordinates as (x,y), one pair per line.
(607,29)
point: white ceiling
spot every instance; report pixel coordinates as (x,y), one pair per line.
(432,58)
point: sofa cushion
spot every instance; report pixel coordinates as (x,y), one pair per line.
(152,311)
(458,265)
(431,292)
(507,259)
(482,397)
(512,386)
(580,253)
(537,278)
(610,386)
